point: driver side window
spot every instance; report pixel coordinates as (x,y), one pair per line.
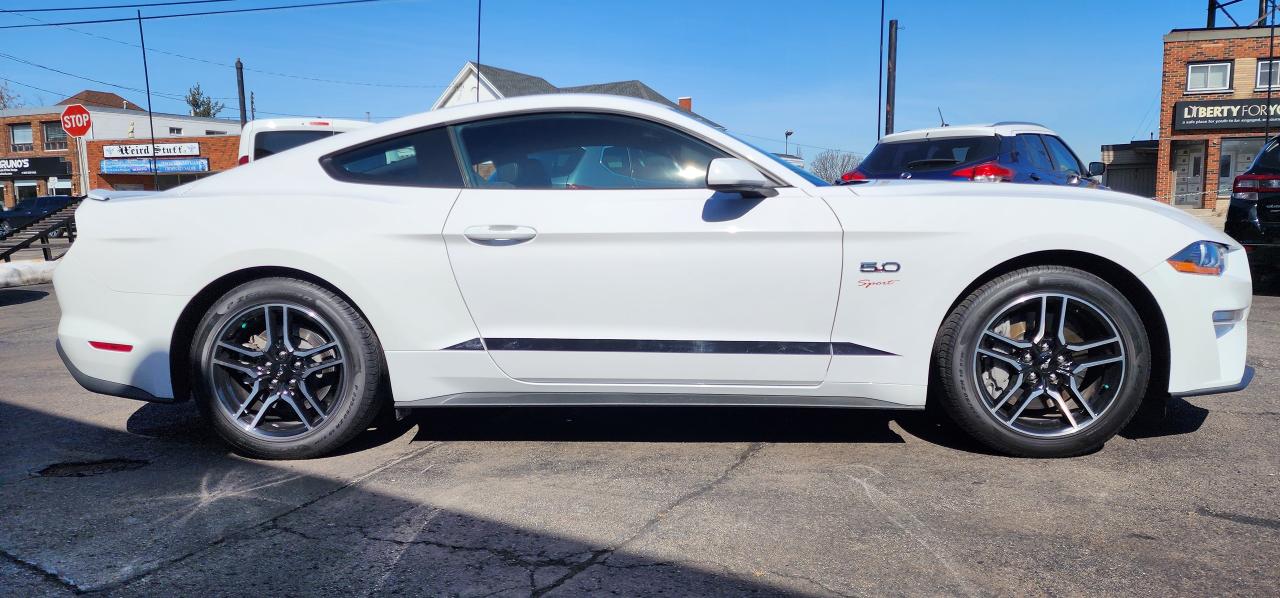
(582,151)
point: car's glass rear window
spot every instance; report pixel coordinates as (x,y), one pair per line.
(268,143)
(1269,157)
(929,154)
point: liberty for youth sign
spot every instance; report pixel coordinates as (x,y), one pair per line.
(1225,114)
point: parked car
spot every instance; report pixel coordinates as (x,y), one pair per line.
(269,136)
(1253,216)
(29,210)
(702,271)
(1014,152)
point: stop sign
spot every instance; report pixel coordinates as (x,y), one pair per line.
(75,120)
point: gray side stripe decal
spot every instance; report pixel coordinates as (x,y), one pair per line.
(666,346)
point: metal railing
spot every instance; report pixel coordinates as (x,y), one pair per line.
(36,235)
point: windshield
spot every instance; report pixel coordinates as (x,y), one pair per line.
(928,154)
(808,176)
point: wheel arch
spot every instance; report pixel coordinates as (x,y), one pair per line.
(185,328)
(1118,276)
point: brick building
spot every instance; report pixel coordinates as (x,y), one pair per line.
(37,158)
(126,164)
(1214,111)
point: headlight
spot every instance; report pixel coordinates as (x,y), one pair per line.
(1201,257)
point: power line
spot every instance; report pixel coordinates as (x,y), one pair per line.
(57,93)
(193,14)
(223,64)
(171,96)
(833,149)
(143,5)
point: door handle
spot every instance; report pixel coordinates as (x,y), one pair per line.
(499,234)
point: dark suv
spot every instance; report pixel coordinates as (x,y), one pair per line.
(1007,151)
(29,210)
(1253,217)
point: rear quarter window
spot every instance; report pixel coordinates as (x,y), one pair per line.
(420,159)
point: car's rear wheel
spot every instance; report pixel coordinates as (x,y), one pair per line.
(285,369)
(6,229)
(1046,361)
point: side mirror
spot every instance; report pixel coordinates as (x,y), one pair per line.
(1097,168)
(733,175)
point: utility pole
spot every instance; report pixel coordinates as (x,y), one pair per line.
(240,88)
(1212,14)
(479,11)
(880,73)
(1271,72)
(891,84)
(253,107)
(151,119)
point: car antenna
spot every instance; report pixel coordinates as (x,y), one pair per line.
(943,120)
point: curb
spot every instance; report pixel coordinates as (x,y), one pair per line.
(18,274)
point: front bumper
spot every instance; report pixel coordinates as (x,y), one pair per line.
(1205,357)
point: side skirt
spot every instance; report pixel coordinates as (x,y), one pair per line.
(526,399)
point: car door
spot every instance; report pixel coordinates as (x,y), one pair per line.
(589,250)
(1067,168)
(1034,158)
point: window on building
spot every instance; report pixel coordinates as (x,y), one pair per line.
(25,190)
(175,130)
(1209,76)
(20,138)
(59,186)
(54,137)
(1267,75)
(208,132)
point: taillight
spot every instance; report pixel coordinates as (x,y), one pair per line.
(242,161)
(987,172)
(852,175)
(1247,186)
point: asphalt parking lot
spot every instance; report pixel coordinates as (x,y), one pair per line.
(114,496)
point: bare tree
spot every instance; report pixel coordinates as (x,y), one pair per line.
(830,164)
(9,98)
(202,105)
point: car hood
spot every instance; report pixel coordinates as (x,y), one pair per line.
(1067,198)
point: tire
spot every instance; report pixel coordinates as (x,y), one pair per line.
(295,411)
(6,229)
(1055,400)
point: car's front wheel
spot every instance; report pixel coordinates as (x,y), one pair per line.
(285,369)
(6,229)
(1046,361)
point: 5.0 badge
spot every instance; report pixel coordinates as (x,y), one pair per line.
(877,267)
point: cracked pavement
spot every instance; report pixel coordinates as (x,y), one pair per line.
(628,501)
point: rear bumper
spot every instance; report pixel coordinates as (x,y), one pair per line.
(91,311)
(105,387)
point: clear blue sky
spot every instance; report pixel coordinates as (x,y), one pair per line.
(1089,68)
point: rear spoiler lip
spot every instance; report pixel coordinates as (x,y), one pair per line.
(109,194)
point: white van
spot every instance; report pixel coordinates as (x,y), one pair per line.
(265,137)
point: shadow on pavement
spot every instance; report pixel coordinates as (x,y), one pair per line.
(187,513)
(1177,417)
(655,424)
(20,296)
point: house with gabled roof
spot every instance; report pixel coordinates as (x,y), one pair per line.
(484,82)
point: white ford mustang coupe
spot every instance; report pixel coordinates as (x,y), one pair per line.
(597,250)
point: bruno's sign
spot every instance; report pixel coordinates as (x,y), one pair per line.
(33,167)
(1225,114)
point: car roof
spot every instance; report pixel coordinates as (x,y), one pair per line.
(304,124)
(1004,128)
